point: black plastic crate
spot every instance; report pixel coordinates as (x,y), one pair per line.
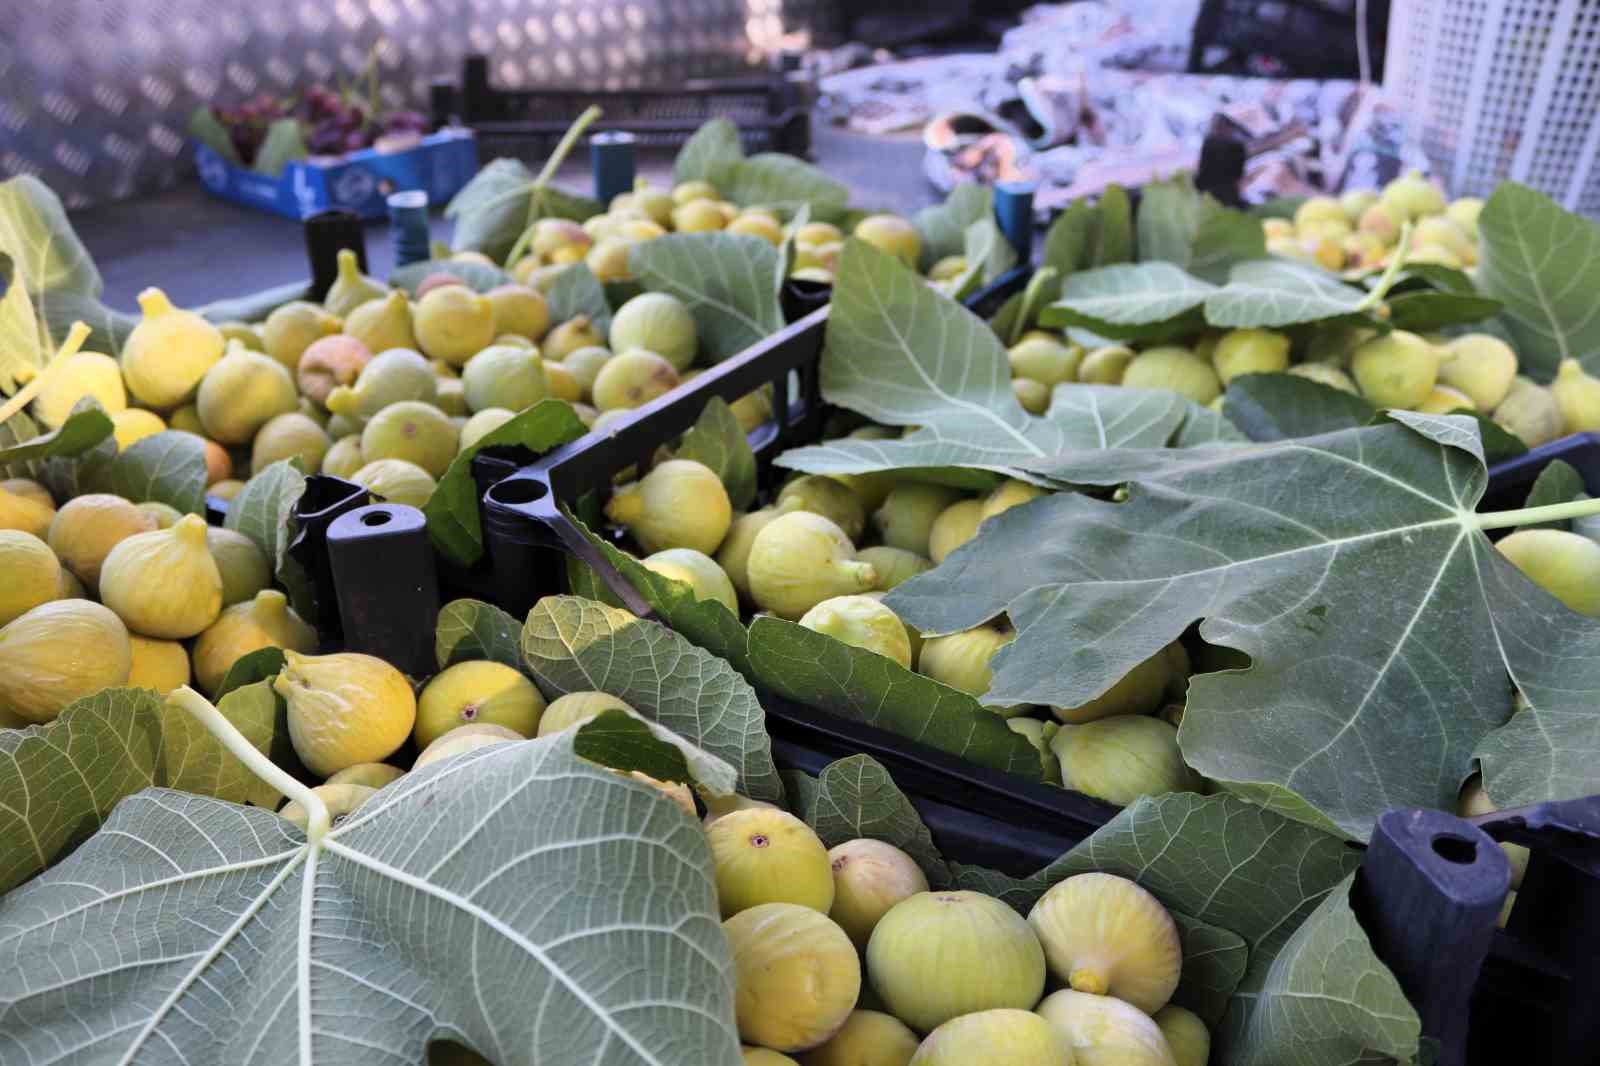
(771,111)
(1510,481)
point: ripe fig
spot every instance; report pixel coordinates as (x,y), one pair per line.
(893,235)
(164,583)
(1444,400)
(1315,209)
(1174,368)
(373,775)
(1105,1030)
(1480,365)
(1464,212)
(867,1038)
(32,574)
(1045,359)
(1324,374)
(689,191)
(1121,758)
(575,333)
(1530,411)
(1139,691)
(697,570)
(521,310)
(133,425)
(1015,1037)
(1187,1036)
(830,498)
(908,513)
(938,955)
(289,436)
(166,515)
(290,329)
(1105,366)
(463,739)
(1473,802)
(734,554)
(453,323)
(503,376)
(961,660)
(341,800)
(390,377)
(1564,564)
(869,878)
(584,364)
(893,565)
(76,377)
(88,527)
(1398,369)
(656,322)
(1355,201)
(633,379)
(382,324)
(158,665)
(1010,493)
(1411,196)
(477,691)
(1578,396)
(863,623)
(168,352)
(265,621)
(25,513)
(679,504)
(241,564)
(567,711)
(482,424)
(550,234)
(801,559)
(1034,396)
(1250,351)
(351,288)
(329,362)
(59,652)
(241,393)
(397,481)
(561,383)
(696,216)
(757,225)
(1104,935)
(1039,734)
(343,457)
(796,975)
(768,856)
(344,709)
(414,431)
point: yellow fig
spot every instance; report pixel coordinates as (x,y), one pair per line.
(1564,564)
(134,425)
(1250,351)
(168,352)
(1121,758)
(801,559)
(1530,412)
(768,856)
(383,324)
(158,665)
(1045,359)
(76,377)
(1578,396)
(697,570)
(869,878)
(632,379)
(570,336)
(1139,691)
(891,234)
(893,565)
(371,774)
(867,1038)
(796,975)
(289,436)
(657,322)
(1445,400)
(453,323)
(57,653)
(1104,935)
(567,711)
(1014,1037)
(679,504)
(1105,1031)
(164,583)
(1474,802)
(1480,365)
(961,660)
(342,800)
(344,709)
(477,691)
(1176,369)
(1187,1036)
(761,1056)
(955,525)
(88,527)
(861,622)
(1105,366)
(464,739)
(25,513)
(828,497)
(1010,493)
(292,328)
(734,553)
(241,393)
(1397,369)
(32,574)
(504,376)
(242,565)
(351,288)
(265,621)
(396,481)
(1034,396)
(906,519)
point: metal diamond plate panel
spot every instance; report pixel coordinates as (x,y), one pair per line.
(95,95)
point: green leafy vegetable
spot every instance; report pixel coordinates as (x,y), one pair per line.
(263,510)
(988,255)
(1558,482)
(1270,294)
(1424,311)
(168,467)
(782,181)
(1088,235)
(725,279)
(1018,314)
(478,276)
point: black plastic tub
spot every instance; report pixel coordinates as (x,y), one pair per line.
(1510,481)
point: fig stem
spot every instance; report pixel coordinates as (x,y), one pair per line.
(536,196)
(75,338)
(1528,516)
(1386,280)
(205,712)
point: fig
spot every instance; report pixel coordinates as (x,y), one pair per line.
(1010,493)
(697,570)
(390,377)
(893,565)
(1316,209)
(690,191)
(439,279)
(908,513)
(1104,935)
(503,376)
(76,377)
(243,332)
(414,431)
(1441,231)
(1474,802)
(1014,1037)
(1139,691)
(373,775)
(1105,366)
(1032,395)
(679,504)
(1380,222)
(1250,351)
(382,324)
(768,856)
(482,424)
(453,324)
(463,739)
(754,409)
(1187,1036)
(264,621)
(552,233)
(134,424)
(477,691)
(938,955)
(863,623)
(342,800)
(1174,368)
(241,393)
(655,204)
(575,333)
(1480,365)
(760,1056)
(1564,564)
(344,709)
(240,563)
(1121,758)
(734,554)
(756,225)
(1398,369)
(343,458)
(584,364)
(28,489)
(801,559)
(696,216)
(608,259)
(1578,396)
(290,329)
(1530,411)
(226,489)
(1104,1031)
(867,1038)
(1464,212)
(1325,374)
(166,515)
(870,877)
(893,235)
(561,383)
(59,652)
(567,711)
(633,379)
(827,497)
(289,436)
(164,583)
(1355,201)
(158,665)
(656,322)
(961,660)
(351,288)
(168,352)
(521,310)
(1443,400)
(71,587)
(1411,196)
(796,975)
(328,363)
(815,233)
(1277,228)
(1045,359)
(88,527)
(396,481)
(32,574)
(1039,734)
(25,513)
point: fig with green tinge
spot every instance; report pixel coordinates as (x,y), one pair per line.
(955,525)
(633,379)
(961,660)
(342,800)
(564,712)
(893,235)
(164,583)
(734,554)
(477,692)
(453,323)
(521,310)
(1187,1036)
(289,436)
(1250,351)
(679,504)
(1105,366)
(241,563)
(1014,1037)
(1121,758)
(1104,935)
(868,1038)
(390,377)
(1564,564)
(344,709)
(503,376)
(59,652)
(1105,1031)
(893,565)
(351,288)
(1045,359)
(1530,412)
(830,498)
(656,322)
(1139,691)
(1173,368)
(1397,369)
(768,856)
(697,570)
(266,621)
(414,431)
(796,975)
(241,393)
(1578,396)
(801,559)
(397,481)
(861,622)
(908,513)
(290,329)
(382,324)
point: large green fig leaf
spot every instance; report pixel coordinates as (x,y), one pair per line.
(501,201)
(1350,567)
(904,354)
(1131,301)
(1282,406)
(1180,225)
(23,341)
(1088,235)
(168,467)
(59,781)
(1558,482)
(1273,293)
(38,244)
(264,511)
(1543,263)
(576,645)
(943,227)
(452,905)
(725,279)
(855,797)
(719,442)
(471,629)
(783,181)
(710,154)
(478,276)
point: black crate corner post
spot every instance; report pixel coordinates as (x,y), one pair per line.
(386,583)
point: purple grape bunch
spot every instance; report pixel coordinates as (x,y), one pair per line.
(331,122)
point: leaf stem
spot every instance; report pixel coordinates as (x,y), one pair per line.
(75,338)
(1530,516)
(1386,280)
(568,141)
(202,710)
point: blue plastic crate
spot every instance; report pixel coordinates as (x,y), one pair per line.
(357,182)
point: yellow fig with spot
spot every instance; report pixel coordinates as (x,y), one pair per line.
(265,621)
(344,709)
(164,583)
(477,691)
